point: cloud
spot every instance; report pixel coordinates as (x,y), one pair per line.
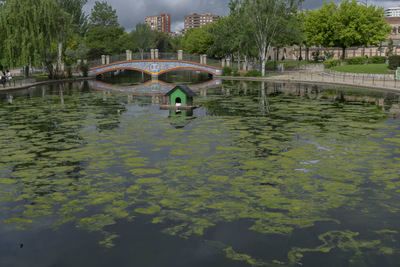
(132,12)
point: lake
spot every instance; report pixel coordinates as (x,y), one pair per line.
(261,174)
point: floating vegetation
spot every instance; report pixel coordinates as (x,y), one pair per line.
(285,161)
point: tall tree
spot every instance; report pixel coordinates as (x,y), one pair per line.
(198,41)
(266,19)
(103,15)
(346,24)
(104,32)
(144,38)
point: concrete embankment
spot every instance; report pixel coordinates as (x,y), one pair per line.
(33,84)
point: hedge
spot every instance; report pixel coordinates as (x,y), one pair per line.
(253,73)
(357,60)
(394,62)
(330,63)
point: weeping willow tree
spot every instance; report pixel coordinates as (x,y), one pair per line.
(34,33)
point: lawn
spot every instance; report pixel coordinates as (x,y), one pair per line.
(365,68)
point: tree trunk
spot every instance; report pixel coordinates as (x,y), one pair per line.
(239,61)
(263,63)
(263,59)
(300,57)
(343,53)
(307,53)
(59,70)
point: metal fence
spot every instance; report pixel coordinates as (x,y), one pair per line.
(372,80)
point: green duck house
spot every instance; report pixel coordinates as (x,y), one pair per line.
(180,97)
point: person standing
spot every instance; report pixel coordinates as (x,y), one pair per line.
(8,76)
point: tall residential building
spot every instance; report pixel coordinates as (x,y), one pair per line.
(198,20)
(161,23)
(392,12)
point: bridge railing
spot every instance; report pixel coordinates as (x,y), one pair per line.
(148,56)
(117,58)
(138,56)
(191,58)
(168,56)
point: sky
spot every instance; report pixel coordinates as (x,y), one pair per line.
(132,12)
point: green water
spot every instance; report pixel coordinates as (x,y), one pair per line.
(260,175)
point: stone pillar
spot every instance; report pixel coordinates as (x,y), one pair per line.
(228,62)
(128,55)
(85,61)
(205,59)
(180,54)
(103,59)
(107,59)
(244,66)
(223,62)
(156,55)
(78,62)
(152,56)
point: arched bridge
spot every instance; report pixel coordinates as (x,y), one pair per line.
(155,67)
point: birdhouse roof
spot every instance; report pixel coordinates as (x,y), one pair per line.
(183,88)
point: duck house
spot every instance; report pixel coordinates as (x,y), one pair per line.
(180,97)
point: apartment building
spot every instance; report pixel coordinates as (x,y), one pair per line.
(161,23)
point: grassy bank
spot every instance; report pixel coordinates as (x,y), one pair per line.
(364,68)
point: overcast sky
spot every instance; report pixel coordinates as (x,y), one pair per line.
(131,12)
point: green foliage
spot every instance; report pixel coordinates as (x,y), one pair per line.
(346,24)
(390,48)
(269,22)
(198,41)
(235,73)
(84,68)
(394,62)
(253,73)
(103,15)
(104,35)
(37,43)
(357,60)
(377,60)
(227,71)
(364,68)
(332,63)
(76,9)
(143,38)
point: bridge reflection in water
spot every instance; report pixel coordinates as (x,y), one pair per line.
(155,89)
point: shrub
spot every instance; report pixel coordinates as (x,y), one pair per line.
(84,68)
(377,60)
(235,73)
(330,63)
(253,73)
(357,60)
(69,71)
(394,62)
(270,65)
(227,71)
